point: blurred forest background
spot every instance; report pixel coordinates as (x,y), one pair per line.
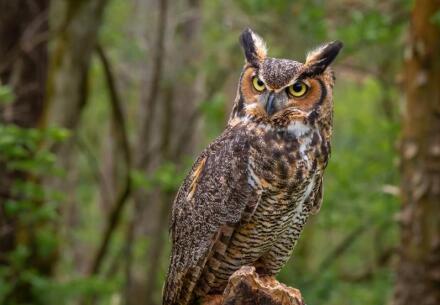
(104,104)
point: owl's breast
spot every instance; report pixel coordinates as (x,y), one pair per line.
(283,169)
(284,161)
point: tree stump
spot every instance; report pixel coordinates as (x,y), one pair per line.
(246,287)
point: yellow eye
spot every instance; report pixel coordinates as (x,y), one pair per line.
(298,89)
(258,84)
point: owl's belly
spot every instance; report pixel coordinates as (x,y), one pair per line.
(255,238)
(279,215)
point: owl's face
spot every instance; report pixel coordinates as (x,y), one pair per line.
(278,91)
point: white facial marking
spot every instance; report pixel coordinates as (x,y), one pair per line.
(251,106)
(298,128)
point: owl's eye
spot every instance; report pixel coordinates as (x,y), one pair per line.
(298,89)
(258,84)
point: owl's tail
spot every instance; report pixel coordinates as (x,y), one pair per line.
(179,285)
(170,290)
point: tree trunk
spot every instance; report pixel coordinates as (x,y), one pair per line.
(23,67)
(74,28)
(418,269)
(23,58)
(73,47)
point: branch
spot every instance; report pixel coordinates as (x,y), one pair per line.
(338,251)
(116,105)
(150,103)
(343,246)
(121,136)
(368,272)
(245,287)
(92,161)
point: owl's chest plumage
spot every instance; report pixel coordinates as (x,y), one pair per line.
(284,169)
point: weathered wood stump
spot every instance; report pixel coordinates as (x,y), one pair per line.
(245,287)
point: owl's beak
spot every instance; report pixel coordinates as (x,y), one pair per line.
(270,103)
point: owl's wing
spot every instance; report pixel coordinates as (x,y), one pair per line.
(211,200)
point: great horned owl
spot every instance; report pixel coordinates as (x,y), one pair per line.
(250,192)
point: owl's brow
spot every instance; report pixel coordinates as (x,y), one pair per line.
(291,82)
(304,75)
(307,73)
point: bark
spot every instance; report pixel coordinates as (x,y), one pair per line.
(245,287)
(23,67)
(23,58)
(73,47)
(418,269)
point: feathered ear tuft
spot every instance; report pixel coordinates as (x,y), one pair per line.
(254,47)
(320,58)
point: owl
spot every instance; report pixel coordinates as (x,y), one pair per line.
(250,192)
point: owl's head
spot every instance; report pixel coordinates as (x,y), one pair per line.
(278,91)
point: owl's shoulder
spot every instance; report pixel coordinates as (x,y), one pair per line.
(217,171)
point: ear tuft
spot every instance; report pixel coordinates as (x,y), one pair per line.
(320,58)
(254,47)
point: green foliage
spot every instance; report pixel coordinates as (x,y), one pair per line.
(30,204)
(64,292)
(262,6)
(20,148)
(367,27)
(311,18)
(436,18)
(6,95)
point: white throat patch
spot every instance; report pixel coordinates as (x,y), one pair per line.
(298,128)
